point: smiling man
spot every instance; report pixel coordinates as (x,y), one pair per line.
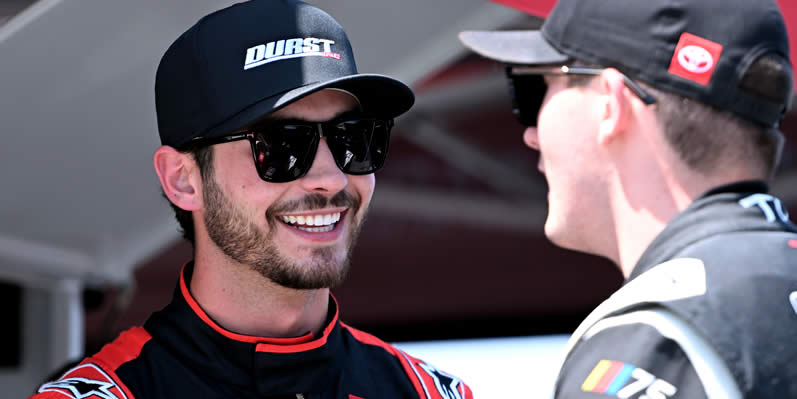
(270,143)
(657,127)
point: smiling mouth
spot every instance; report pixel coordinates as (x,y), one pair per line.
(321,223)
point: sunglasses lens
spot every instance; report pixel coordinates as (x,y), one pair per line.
(284,152)
(360,145)
(528,92)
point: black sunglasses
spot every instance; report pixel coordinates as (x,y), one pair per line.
(284,150)
(528,87)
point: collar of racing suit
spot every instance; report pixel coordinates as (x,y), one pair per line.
(270,366)
(715,212)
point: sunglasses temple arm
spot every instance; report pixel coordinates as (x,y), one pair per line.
(643,95)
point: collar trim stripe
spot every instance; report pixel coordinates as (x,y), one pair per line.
(264,344)
(307,346)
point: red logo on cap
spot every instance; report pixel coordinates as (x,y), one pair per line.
(695,58)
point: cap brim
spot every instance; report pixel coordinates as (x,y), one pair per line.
(379,95)
(513,47)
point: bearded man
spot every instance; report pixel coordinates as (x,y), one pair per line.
(270,143)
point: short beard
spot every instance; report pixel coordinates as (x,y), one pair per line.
(245,243)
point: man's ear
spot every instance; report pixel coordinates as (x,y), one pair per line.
(179,177)
(617,111)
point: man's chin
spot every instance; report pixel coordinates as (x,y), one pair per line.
(556,234)
(328,276)
(319,268)
(568,239)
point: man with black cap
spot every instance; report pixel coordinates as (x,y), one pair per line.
(270,141)
(657,126)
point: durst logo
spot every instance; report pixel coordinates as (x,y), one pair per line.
(288,48)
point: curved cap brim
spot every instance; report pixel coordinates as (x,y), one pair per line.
(513,47)
(379,95)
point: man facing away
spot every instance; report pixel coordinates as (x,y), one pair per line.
(270,141)
(657,126)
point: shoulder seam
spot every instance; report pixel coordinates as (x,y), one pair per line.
(368,339)
(405,362)
(714,374)
(123,349)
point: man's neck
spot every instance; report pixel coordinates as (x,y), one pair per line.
(643,205)
(662,202)
(245,302)
(651,184)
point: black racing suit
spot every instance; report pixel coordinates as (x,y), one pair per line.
(709,311)
(181,353)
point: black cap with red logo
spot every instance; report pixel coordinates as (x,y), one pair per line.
(242,63)
(696,48)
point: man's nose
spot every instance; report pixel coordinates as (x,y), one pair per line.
(324,175)
(530,138)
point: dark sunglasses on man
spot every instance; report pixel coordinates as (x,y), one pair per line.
(284,150)
(527,87)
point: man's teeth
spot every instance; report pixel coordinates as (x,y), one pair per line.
(303,222)
(322,229)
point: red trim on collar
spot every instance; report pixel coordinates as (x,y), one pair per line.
(270,346)
(264,344)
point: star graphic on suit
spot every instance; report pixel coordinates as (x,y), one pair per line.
(447,385)
(82,388)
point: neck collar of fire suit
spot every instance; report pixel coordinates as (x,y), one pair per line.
(716,212)
(268,366)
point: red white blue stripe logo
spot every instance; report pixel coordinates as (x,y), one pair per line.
(625,380)
(608,377)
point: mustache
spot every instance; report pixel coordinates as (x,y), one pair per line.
(315,201)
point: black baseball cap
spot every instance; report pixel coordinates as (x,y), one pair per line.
(696,48)
(242,63)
